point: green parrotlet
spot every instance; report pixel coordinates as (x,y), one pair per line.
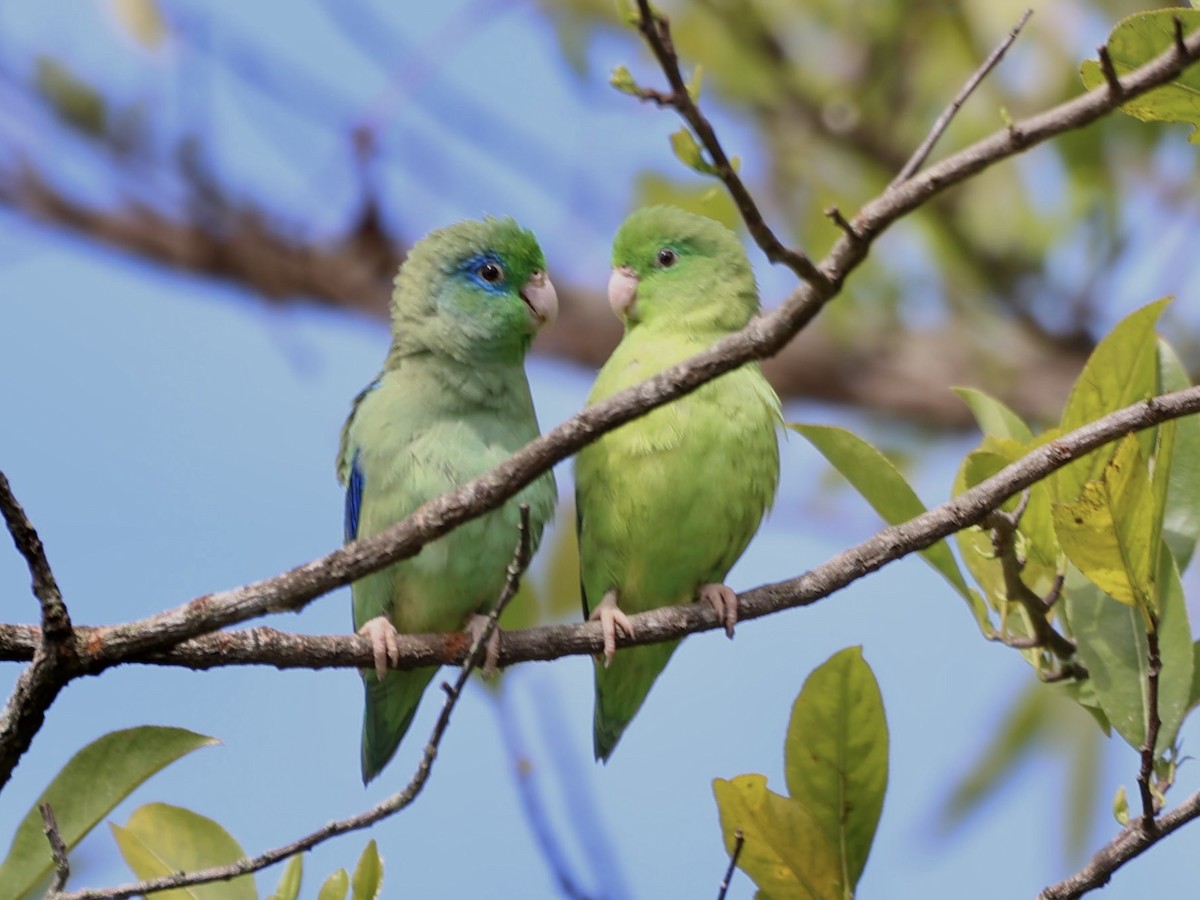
(668,502)
(451,402)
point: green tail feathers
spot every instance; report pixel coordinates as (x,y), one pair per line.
(622,688)
(391,705)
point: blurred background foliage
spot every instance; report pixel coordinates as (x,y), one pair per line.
(1004,285)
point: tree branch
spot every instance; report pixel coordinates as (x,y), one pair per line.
(390,806)
(657,31)
(943,121)
(1130,843)
(267,646)
(1145,779)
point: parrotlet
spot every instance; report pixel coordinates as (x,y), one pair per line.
(667,503)
(451,402)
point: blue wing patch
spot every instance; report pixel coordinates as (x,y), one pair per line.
(354,487)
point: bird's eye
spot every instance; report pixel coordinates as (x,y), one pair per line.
(491,273)
(666,258)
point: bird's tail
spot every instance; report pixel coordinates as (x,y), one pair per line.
(622,688)
(391,705)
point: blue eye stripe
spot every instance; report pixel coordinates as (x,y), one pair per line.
(471,268)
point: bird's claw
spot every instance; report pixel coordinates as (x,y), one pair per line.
(384,644)
(721,598)
(476,626)
(611,618)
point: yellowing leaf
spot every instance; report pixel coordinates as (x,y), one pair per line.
(783,850)
(1110,532)
(160,839)
(95,780)
(814,844)
(1121,370)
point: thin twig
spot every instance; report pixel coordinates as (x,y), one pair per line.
(1181,48)
(1128,844)
(1110,72)
(58,849)
(54,658)
(657,31)
(56,622)
(1004,545)
(943,121)
(738,840)
(1150,805)
(835,215)
(388,807)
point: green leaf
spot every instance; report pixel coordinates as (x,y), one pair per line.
(622,80)
(688,151)
(882,485)
(994,417)
(1110,533)
(1120,806)
(95,780)
(160,839)
(1194,694)
(1133,43)
(1112,644)
(784,850)
(836,756)
(335,887)
(368,874)
(1121,370)
(289,885)
(1181,520)
(1177,652)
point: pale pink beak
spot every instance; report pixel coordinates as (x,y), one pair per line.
(622,290)
(539,295)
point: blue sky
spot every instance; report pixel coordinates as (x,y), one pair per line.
(172,436)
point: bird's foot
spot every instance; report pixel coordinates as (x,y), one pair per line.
(383,643)
(611,618)
(476,626)
(722,598)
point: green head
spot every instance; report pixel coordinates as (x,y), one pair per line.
(475,290)
(681,270)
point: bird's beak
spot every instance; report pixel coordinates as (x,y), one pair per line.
(622,291)
(539,295)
